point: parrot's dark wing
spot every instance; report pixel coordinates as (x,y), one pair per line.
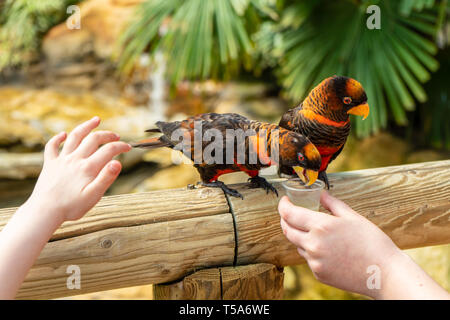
(288,120)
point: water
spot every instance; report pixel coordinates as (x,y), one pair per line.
(304,196)
(305,202)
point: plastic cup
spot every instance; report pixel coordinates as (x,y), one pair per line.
(302,195)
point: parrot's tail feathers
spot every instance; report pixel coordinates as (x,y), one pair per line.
(153,130)
(151,143)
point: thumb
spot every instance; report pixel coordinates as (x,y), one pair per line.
(335,206)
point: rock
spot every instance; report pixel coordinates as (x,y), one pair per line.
(13,193)
(161,156)
(130,179)
(250,100)
(20,165)
(244,90)
(29,165)
(14,131)
(187,100)
(62,45)
(131,158)
(101,24)
(178,176)
(31,116)
(230,106)
(268,109)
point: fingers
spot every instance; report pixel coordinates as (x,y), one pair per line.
(91,143)
(335,206)
(103,155)
(78,134)
(296,236)
(97,188)
(299,217)
(52,147)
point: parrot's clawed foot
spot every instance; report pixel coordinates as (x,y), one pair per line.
(260,182)
(224,187)
(323,176)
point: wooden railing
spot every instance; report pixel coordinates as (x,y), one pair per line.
(163,236)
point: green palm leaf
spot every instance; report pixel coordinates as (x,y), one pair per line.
(202,37)
(303,42)
(22,25)
(391,63)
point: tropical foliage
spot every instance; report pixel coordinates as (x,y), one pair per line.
(296,42)
(22,23)
(301,42)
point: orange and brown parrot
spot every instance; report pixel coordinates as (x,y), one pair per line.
(255,148)
(323,117)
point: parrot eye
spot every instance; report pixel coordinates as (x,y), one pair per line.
(301,157)
(347,100)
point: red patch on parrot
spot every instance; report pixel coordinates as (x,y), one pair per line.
(326,153)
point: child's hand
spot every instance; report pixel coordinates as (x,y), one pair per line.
(73,181)
(340,247)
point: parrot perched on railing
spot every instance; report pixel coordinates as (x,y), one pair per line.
(261,139)
(323,117)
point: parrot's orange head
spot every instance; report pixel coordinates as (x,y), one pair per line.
(298,152)
(351,96)
(336,97)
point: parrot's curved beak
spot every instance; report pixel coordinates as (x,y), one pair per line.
(360,110)
(311,175)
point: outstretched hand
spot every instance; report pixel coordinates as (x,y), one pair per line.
(343,249)
(73,181)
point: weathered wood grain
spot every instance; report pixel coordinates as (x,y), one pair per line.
(410,203)
(140,208)
(21,165)
(162,236)
(260,281)
(201,285)
(250,282)
(128,256)
(134,239)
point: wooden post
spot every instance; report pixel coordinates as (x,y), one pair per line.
(251,282)
(163,236)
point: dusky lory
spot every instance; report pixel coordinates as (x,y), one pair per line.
(252,145)
(323,117)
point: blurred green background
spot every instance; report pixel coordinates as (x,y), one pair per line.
(133,62)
